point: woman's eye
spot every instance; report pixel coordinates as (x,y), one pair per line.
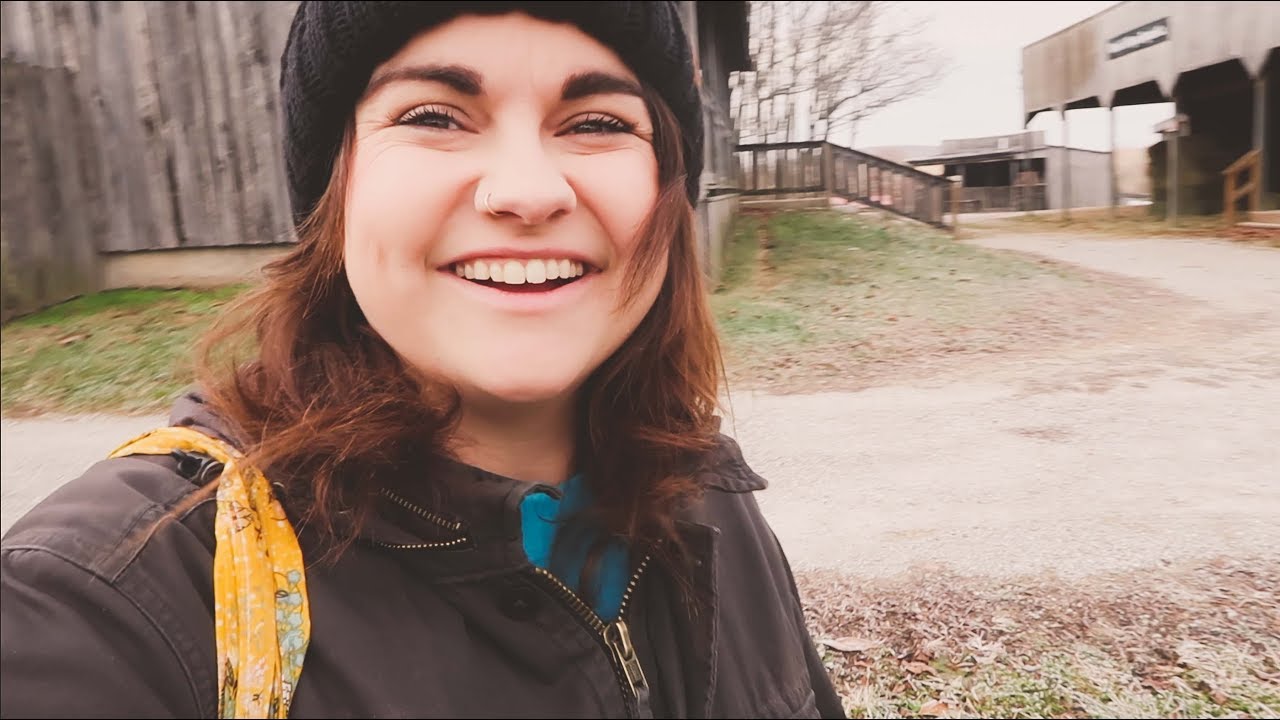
(601,124)
(430,117)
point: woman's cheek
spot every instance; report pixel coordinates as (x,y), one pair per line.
(400,198)
(621,188)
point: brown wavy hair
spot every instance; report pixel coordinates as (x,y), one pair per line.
(328,411)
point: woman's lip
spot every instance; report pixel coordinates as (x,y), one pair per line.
(530,303)
(521,254)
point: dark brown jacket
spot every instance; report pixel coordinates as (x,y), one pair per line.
(103,616)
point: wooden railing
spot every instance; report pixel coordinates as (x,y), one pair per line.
(1252,190)
(823,168)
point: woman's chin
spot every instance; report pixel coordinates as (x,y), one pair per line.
(516,389)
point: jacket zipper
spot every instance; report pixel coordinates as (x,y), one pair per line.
(616,637)
(445,523)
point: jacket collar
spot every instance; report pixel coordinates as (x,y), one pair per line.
(486,510)
(479,512)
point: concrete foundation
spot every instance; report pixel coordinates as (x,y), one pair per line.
(715,222)
(187,267)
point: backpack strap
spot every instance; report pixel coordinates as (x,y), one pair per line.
(262,613)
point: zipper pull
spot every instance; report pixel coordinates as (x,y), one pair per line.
(618,636)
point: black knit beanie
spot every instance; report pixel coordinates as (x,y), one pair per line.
(334,47)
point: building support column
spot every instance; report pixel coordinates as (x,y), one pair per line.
(1013,184)
(1111,162)
(1066,164)
(1260,139)
(1171,171)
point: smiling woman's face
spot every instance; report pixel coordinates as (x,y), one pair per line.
(502,169)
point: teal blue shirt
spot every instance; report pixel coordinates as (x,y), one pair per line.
(543,515)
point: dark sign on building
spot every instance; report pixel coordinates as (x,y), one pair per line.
(1153,33)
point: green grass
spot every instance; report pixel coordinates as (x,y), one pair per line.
(124,351)
(739,262)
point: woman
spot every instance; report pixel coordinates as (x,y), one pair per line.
(472,465)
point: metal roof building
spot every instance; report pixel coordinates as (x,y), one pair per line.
(1022,172)
(1217,61)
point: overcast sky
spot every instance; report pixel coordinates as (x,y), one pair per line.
(982,94)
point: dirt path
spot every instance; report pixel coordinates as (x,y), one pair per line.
(1151,446)
(40,454)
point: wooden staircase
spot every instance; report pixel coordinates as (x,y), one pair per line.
(822,174)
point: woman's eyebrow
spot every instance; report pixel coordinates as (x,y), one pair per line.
(467,81)
(595,82)
(459,77)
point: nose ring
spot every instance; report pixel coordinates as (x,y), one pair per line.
(487,206)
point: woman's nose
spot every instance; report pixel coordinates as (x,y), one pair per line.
(525,184)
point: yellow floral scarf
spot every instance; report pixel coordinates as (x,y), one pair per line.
(262,622)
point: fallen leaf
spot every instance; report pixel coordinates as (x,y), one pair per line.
(935,708)
(1155,683)
(851,644)
(1219,697)
(1004,622)
(917,668)
(899,688)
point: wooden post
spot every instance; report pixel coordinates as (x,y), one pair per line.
(955,206)
(828,170)
(1258,164)
(1229,199)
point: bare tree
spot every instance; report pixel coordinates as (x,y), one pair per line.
(834,63)
(765,106)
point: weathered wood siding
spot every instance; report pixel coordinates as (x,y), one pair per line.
(49,194)
(183,100)
(136,126)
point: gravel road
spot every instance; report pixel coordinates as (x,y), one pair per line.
(1160,449)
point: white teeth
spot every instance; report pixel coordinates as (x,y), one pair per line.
(513,273)
(518,272)
(535,272)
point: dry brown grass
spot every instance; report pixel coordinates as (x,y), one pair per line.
(1201,640)
(1132,221)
